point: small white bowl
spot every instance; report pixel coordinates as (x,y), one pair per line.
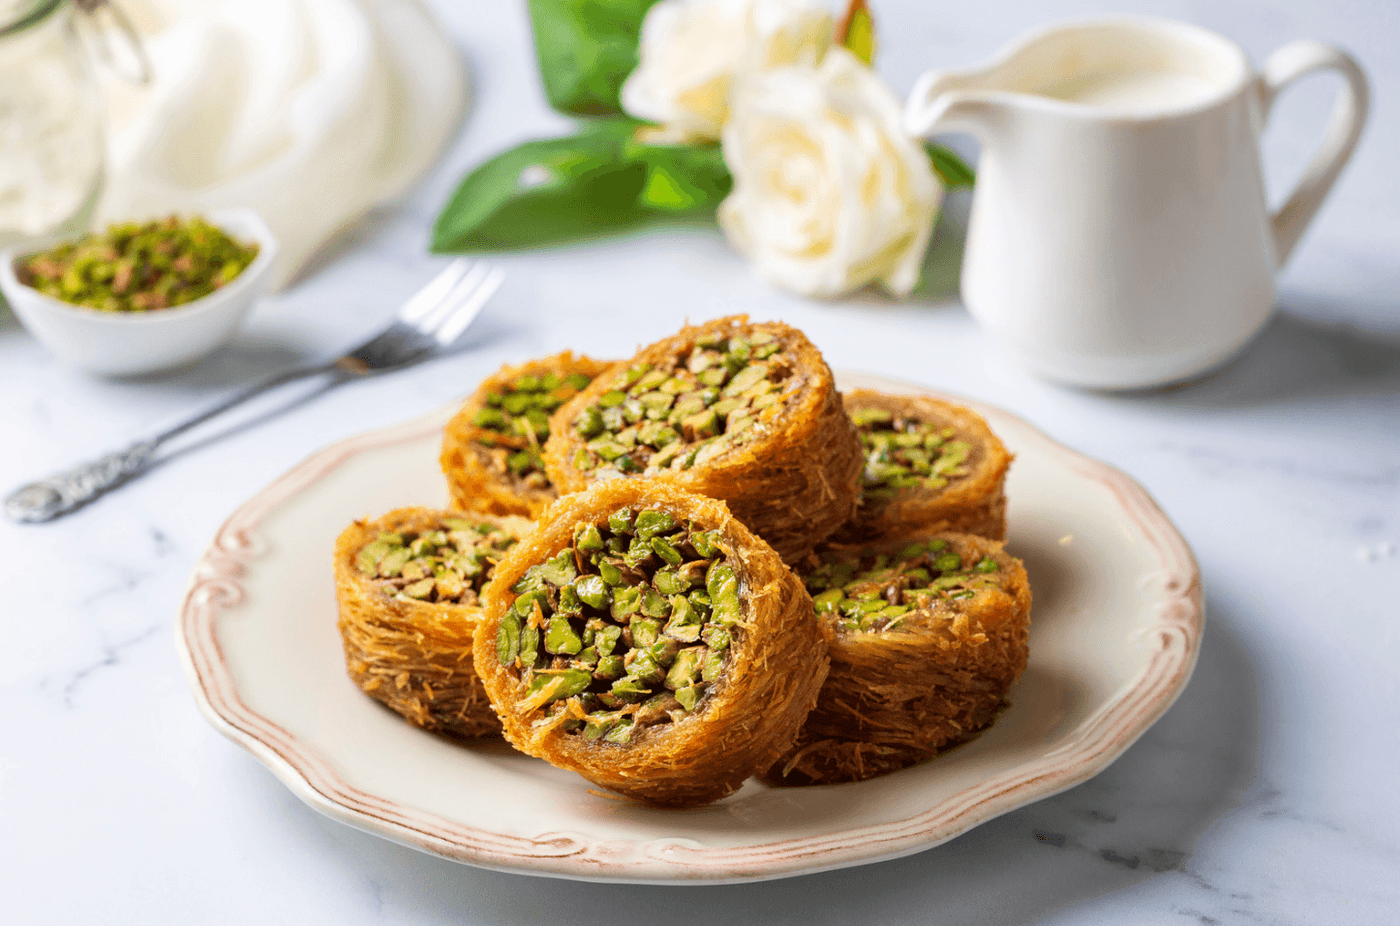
(125,344)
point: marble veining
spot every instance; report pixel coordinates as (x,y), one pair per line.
(111,658)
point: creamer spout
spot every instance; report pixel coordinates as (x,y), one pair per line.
(947,101)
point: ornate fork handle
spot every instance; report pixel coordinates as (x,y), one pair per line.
(62,492)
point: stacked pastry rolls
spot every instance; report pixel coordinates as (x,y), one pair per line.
(732,571)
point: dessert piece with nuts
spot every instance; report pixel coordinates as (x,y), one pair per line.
(408,587)
(491,447)
(930,466)
(739,411)
(646,639)
(925,638)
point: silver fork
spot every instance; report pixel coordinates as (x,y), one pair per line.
(427,323)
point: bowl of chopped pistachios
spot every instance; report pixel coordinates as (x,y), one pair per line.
(140,297)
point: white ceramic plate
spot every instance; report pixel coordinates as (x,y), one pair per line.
(1115,629)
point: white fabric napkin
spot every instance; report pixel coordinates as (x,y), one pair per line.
(311,112)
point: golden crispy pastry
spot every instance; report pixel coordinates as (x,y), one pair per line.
(407,585)
(491,447)
(925,640)
(929,466)
(646,639)
(733,410)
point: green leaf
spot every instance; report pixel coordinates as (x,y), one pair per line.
(586,49)
(951,169)
(682,179)
(857,32)
(598,182)
(942,265)
(545,192)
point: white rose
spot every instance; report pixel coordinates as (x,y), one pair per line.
(693,52)
(829,192)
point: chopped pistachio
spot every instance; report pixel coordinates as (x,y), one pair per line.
(621,732)
(644,631)
(393,562)
(685,623)
(610,573)
(592,591)
(560,570)
(508,638)
(518,418)
(646,668)
(688,697)
(706,543)
(685,669)
(626,600)
(723,588)
(631,689)
(607,639)
(557,684)
(435,566)
(663,650)
(599,724)
(670,582)
(610,667)
(529,644)
(560,637)
(531,581)
(903,453)
(569,602)
(369,557)
(610,628)
(716,638)
(713,665)
(666,551)
(135,267)
(655,604)
(678,405)
(871,593)
(639,553)
(649,523)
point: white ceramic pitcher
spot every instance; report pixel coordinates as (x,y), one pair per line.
(1119,235)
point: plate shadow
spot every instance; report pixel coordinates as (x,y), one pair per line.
(1295,357)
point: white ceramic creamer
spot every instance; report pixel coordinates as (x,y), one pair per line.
(1119,236)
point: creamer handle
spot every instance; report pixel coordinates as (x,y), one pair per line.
(1289,63)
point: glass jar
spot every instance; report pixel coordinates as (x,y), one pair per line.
(51,138)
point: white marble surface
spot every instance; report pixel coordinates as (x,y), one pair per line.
(1266,794)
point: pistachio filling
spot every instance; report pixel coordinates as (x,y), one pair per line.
(905,453)
(871,592)
(447,566)
(688,410)
(626,628)
(138,267)
(520,416)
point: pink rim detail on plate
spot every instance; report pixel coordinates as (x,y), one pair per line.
(216,591)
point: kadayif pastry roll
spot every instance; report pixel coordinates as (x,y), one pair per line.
(646,639)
